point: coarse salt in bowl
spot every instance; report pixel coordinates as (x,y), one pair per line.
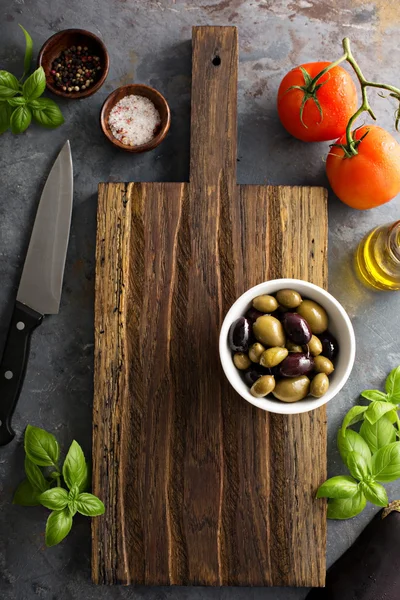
(135,118)
(339,325)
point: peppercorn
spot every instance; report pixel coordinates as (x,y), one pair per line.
(75,69)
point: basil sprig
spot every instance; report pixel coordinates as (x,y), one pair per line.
(43,452)
(371,455)
(20,101)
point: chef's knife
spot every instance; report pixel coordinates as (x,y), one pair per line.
(39,291)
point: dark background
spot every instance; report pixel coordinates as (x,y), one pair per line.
(149,42)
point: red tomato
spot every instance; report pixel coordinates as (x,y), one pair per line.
(337,98)
(370,178)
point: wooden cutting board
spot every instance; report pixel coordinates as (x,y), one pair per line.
(200,487)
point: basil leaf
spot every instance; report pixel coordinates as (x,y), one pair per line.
(74,468)
(72,499)
(58,527)
(54,499)
(358,466)
(25,495)
(35,476)
(352,441)
(392,385)
(392,416)
(46,113)
(341,486)
(346,508)
(378,434)
(85,485)
(376,410)
(9,85)
(5,116)
(375,493)
(386,463)
(374,395)
(20,119)
(28,52)
(35,85)
(17,101)
(41,447)
(354,415)
(89,505)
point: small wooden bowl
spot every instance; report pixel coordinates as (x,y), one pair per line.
(136,89)
(65,39)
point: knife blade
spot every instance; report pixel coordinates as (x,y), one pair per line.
(39,292)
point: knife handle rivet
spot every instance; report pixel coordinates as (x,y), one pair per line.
(20,325)
(8,374)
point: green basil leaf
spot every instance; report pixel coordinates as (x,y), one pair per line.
(35,85)
(89,505)
(352,441)
(55,474)
(58,526)
(85,485)
(346,508)
(25,495)
(20,119)
(392,416)
(358,466)
(386,463)
(74,468)
(47,113)
(28,52)
(9,85)
(41,447)
(374,395)
(35,476)
(378,434)
(392,385)
(375,493)
(54,499)
(17,101)
(376,410)
(354,415)
(5,116)
(341,486)
(9,80)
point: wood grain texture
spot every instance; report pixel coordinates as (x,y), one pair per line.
(200,487)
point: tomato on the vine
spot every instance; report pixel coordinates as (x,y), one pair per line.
(319,111)
(372,176)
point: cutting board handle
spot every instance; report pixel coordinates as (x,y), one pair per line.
(214,105)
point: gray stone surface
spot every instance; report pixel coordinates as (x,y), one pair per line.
(149,41)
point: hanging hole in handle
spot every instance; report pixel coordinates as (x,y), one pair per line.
(216,61)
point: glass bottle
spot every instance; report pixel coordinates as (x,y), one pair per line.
(378,257)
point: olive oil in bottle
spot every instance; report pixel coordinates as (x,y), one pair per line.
(378,258)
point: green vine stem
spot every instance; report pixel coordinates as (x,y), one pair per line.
(350,149)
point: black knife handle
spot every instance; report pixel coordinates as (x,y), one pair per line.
(13,365)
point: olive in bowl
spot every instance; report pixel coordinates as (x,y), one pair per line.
(291,352)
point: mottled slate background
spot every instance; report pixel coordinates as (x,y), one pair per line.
(149,42)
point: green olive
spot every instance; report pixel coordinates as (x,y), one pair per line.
(273,356)
(241,361)
(265,303)
(315,346)
(323,365)
(292,347)
(255,352)
(319,385)
(288,298)
(315,315)
(269,331)
(292,389)
(263,386)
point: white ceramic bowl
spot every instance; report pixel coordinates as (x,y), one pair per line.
(339,325)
